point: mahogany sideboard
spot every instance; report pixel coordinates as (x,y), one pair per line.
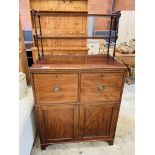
(78,100)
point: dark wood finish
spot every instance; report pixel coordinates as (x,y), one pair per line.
(79,112)
(90,83)
(58,123)
(85,62)
(45,84)
(71,13)
(96,121)
(110,142)
(67,102)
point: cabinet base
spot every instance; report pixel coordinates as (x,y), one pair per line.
(43,147)
(110,142)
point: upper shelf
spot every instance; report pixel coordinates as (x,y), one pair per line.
(69,13)
(75,37)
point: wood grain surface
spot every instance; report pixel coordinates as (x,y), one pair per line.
(90,83)
(60,5)
(95,121)
(45,83)
(79,112)
(79,63)
(58,123)
(69,106)
(61,25)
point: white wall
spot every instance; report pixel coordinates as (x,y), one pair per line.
(126,26)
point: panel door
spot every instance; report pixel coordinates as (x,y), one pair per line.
(57,123)
(98,121)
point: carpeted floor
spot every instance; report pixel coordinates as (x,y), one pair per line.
(124,140)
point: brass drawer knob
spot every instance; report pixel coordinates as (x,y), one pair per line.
(56,89)
(101,87)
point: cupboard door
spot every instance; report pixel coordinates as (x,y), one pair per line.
(57,123)
(98,121)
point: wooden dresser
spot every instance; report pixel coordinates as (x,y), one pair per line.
(77,96)
(78,101)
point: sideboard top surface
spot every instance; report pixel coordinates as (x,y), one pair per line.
(78,63)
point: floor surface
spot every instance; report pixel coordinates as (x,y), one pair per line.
(124,139)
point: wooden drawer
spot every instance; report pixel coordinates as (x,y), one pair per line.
(56,88)
(101,86)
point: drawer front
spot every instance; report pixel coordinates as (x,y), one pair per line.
(101,86)
(56,88)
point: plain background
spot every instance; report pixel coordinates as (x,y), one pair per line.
(145,77)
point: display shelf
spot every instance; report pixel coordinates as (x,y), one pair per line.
(87,60)
(74,37)
(68,13)
(114,22)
